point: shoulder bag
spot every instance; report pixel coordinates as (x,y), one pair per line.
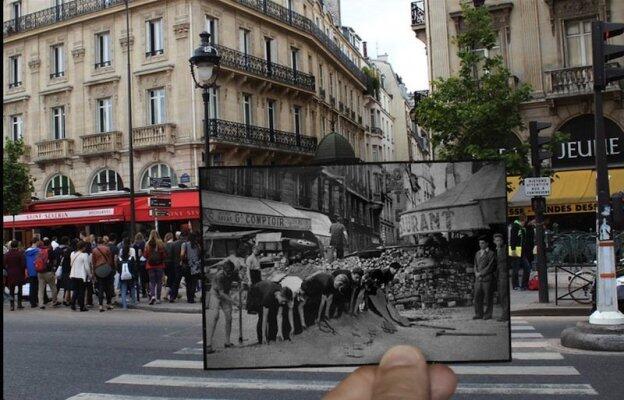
(104,270)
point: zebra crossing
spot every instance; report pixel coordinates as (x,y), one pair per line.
(537,371)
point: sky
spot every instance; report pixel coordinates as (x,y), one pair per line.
(387,27)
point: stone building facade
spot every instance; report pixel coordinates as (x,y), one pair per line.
(288,77)
(546,44)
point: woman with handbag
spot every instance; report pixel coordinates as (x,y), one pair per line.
(127,273)
(80,272)
(155,264)
(104,273)
(191,265)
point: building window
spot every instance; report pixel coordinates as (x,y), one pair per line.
(17,125)
(321,79)
(16,9)
(247,120)
(57,61)
(213,103)
(102,50)
(58,122)
(158,171)
(15,71)
(294,58)
(243,40)
(578,43)
(271,114)
(297,120)
(60,185)
(104,116)
(154,37)
(270,53)
(157,106)
(212,29)
(106,180)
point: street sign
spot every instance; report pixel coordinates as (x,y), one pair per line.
(164,182)
(157,202)
(534,187)
(160,192)
(159,213)
(185,178)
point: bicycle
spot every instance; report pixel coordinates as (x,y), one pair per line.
(581,286)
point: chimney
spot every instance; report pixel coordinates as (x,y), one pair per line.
(365,49)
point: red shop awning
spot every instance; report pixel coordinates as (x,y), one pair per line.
(62,217)
(184,207)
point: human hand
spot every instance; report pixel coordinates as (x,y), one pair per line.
(402,374)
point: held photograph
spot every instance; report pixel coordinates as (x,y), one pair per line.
(333,265)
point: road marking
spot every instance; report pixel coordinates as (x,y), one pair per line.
(104,396)
(182,364)
(223,383)
(528,345)
(190,350)
(519,322)
(526,335)
(522,328)
(514,370)
(526,388)
(537,356)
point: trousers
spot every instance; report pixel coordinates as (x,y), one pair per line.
(46,278)
(483,292)
(503,295)
(105,286)
(78,295)
(155,282)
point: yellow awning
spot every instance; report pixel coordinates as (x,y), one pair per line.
(571,192)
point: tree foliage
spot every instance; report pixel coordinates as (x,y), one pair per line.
(17,184)
(476,113)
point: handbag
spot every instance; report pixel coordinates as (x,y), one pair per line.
(104,270)
(59,272)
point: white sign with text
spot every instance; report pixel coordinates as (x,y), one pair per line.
(534,187)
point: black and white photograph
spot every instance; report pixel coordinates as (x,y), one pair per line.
(333,265)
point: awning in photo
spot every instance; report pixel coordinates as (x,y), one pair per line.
(320,225)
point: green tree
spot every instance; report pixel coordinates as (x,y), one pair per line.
(17,184)
(475,114)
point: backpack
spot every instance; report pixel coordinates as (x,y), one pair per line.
(127,266)
(154,256)
(42,261)
(534,282)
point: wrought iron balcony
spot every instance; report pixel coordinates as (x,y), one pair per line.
(572,81)
(152,136)
(237,60)
(57,74)
(418,12)
(340,106)
(13,85)
(332,101)
(102,64)
(52,15)
(297,20)
(360,119)
(256,136)
(377,131)
(101,143)
(56,149)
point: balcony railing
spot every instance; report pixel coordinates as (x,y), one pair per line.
(101,143)
(332,101)
(56,149)
(573,80)
(418,12)
(260,67)
(13,85)
(297,20)
(151,136)
(423,143)
(377,131)
(55,14)
(255,136)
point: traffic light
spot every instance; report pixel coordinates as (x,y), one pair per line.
(617,202)
(538,154)
(603,52)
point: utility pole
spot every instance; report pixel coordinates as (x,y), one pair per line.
(606,295)
(539,203)
(130,138)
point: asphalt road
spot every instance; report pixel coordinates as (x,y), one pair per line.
(139,355)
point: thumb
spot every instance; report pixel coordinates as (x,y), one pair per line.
(402,374)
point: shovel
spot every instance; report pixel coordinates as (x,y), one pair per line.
(445,333)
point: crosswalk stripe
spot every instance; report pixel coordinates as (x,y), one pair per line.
(104,396)
(527,388)
(459,369)
(526,335)
(518,322)
(522,328)
(529,345)
(536,356)
(190,350)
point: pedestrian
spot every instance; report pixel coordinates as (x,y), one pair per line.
(155,265)
(126,267)
(267,299)
(30,255)
(176,261)
(293,315)
(80,274)
(190,254)
(44,264)
(104,269)
(139,248)
(252,264)
(345,299)
(169,244)
(318,290)
(517,236)
(338,236)
(503,276)
(219,299)
(54,243)
(15,266)
(484,266)
(528,252)
(88,285)
(63,254)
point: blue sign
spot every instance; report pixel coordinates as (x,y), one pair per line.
(185,178)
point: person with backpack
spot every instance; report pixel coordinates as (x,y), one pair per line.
(15,266)
(62,256)
(44,265)
(155,265)
(139,248)
(126,267)
(30,255)
(80,273)
(103,263)
(191,265)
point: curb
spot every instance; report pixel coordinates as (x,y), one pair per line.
(553,312)
(594,337)
(147,307)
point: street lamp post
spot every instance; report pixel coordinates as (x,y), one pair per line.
(204,67)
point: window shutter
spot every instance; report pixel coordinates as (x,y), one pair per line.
(158,26)
(105,47)
(148,36)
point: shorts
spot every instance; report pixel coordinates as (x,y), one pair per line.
(215,302)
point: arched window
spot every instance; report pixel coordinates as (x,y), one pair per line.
(158,171)
(106,180)
(60,185)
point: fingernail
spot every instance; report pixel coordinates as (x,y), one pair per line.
(402,356)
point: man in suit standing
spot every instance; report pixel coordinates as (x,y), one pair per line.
(484,265)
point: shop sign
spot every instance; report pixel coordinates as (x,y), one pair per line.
(156,202)
(461,218)
(164,182)
(579,150)
(555,209)
(60,215)
(249,220)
